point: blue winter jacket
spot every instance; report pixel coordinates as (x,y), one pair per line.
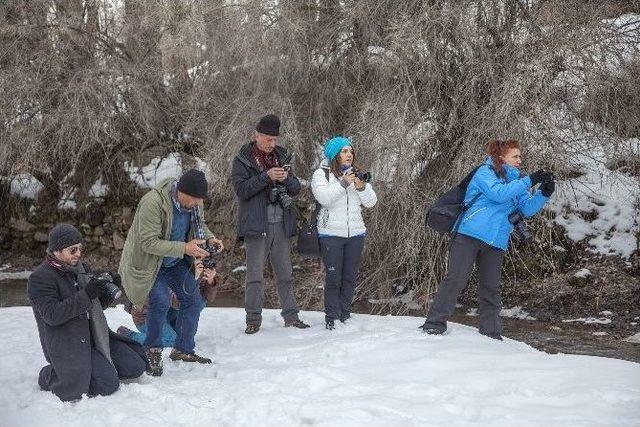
(488,217)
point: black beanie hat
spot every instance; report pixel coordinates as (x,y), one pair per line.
(194,183)
(269,125)
(62,236)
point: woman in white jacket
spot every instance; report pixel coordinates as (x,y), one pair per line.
(340,225)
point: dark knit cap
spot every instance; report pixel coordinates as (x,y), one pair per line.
(269,125)
(194,183)
(62,236)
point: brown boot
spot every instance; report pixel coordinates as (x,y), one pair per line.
(252,328)
(187,357)
(297,323)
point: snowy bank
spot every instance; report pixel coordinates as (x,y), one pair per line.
(372,371)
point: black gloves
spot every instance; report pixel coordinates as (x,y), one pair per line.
(94,288)
(548,187)
(540,176)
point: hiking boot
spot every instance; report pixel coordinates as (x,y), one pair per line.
(430,330)
(154,355)
(330,325)
(252,328)
(297,323)
(123,330)
(187,357)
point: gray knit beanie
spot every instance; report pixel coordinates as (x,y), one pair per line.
(62,236)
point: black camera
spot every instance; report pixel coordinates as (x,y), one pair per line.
(278,194)
(209,261)
(363,176)
(106,281)
(517,220)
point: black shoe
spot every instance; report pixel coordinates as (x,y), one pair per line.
(252,328)
(154,355)
(493,336)
(187,357)
(345,318)
(330,325)
(296,324)
(430,330)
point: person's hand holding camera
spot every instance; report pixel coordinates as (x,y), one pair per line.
(540,176)
(94,288)
(193,249)
(349,176)
(208,275)
(216,243)
(277,174)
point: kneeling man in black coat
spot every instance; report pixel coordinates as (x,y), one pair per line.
(84,356)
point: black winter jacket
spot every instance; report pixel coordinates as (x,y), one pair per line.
(60,309)
(250,183)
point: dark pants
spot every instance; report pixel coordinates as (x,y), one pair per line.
(341,258)
(463,253)
(180,279)
(105,377)
(274,246)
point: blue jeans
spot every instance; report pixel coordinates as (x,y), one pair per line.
(168,334)
(182,282)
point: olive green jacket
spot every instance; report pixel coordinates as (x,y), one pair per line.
(148,242)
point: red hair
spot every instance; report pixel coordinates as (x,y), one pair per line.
(498,148)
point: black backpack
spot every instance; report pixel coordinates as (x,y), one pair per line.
(443,215)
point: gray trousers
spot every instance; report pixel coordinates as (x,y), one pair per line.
(463,253)
(275,246)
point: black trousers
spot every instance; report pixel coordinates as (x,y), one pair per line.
(463,254)
(341,258)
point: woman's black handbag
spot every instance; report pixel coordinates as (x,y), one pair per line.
(308,240)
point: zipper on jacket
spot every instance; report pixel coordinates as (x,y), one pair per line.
(348,227)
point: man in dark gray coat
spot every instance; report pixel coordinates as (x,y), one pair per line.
(84,356)
(263,181)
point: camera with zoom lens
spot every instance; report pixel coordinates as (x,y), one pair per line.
(106,281)
(517,220)
(278,194)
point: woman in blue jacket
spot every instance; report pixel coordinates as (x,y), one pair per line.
(495,192)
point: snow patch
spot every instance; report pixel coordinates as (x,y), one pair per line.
(239,269)
(633,338)
(589,321)
(516,312)
(583,273)
(24,185)
(15,275)
(386,371)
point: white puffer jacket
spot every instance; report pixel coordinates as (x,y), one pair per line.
(341,213)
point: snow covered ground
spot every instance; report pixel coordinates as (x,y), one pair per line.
(373,371)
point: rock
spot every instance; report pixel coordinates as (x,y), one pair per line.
(107,227)
(118,241)
(94,215)
(21,225)
(41,237)
(555,328)
(98,231)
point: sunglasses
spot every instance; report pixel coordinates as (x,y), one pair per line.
(76,249)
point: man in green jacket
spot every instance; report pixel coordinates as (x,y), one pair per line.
(157,256)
